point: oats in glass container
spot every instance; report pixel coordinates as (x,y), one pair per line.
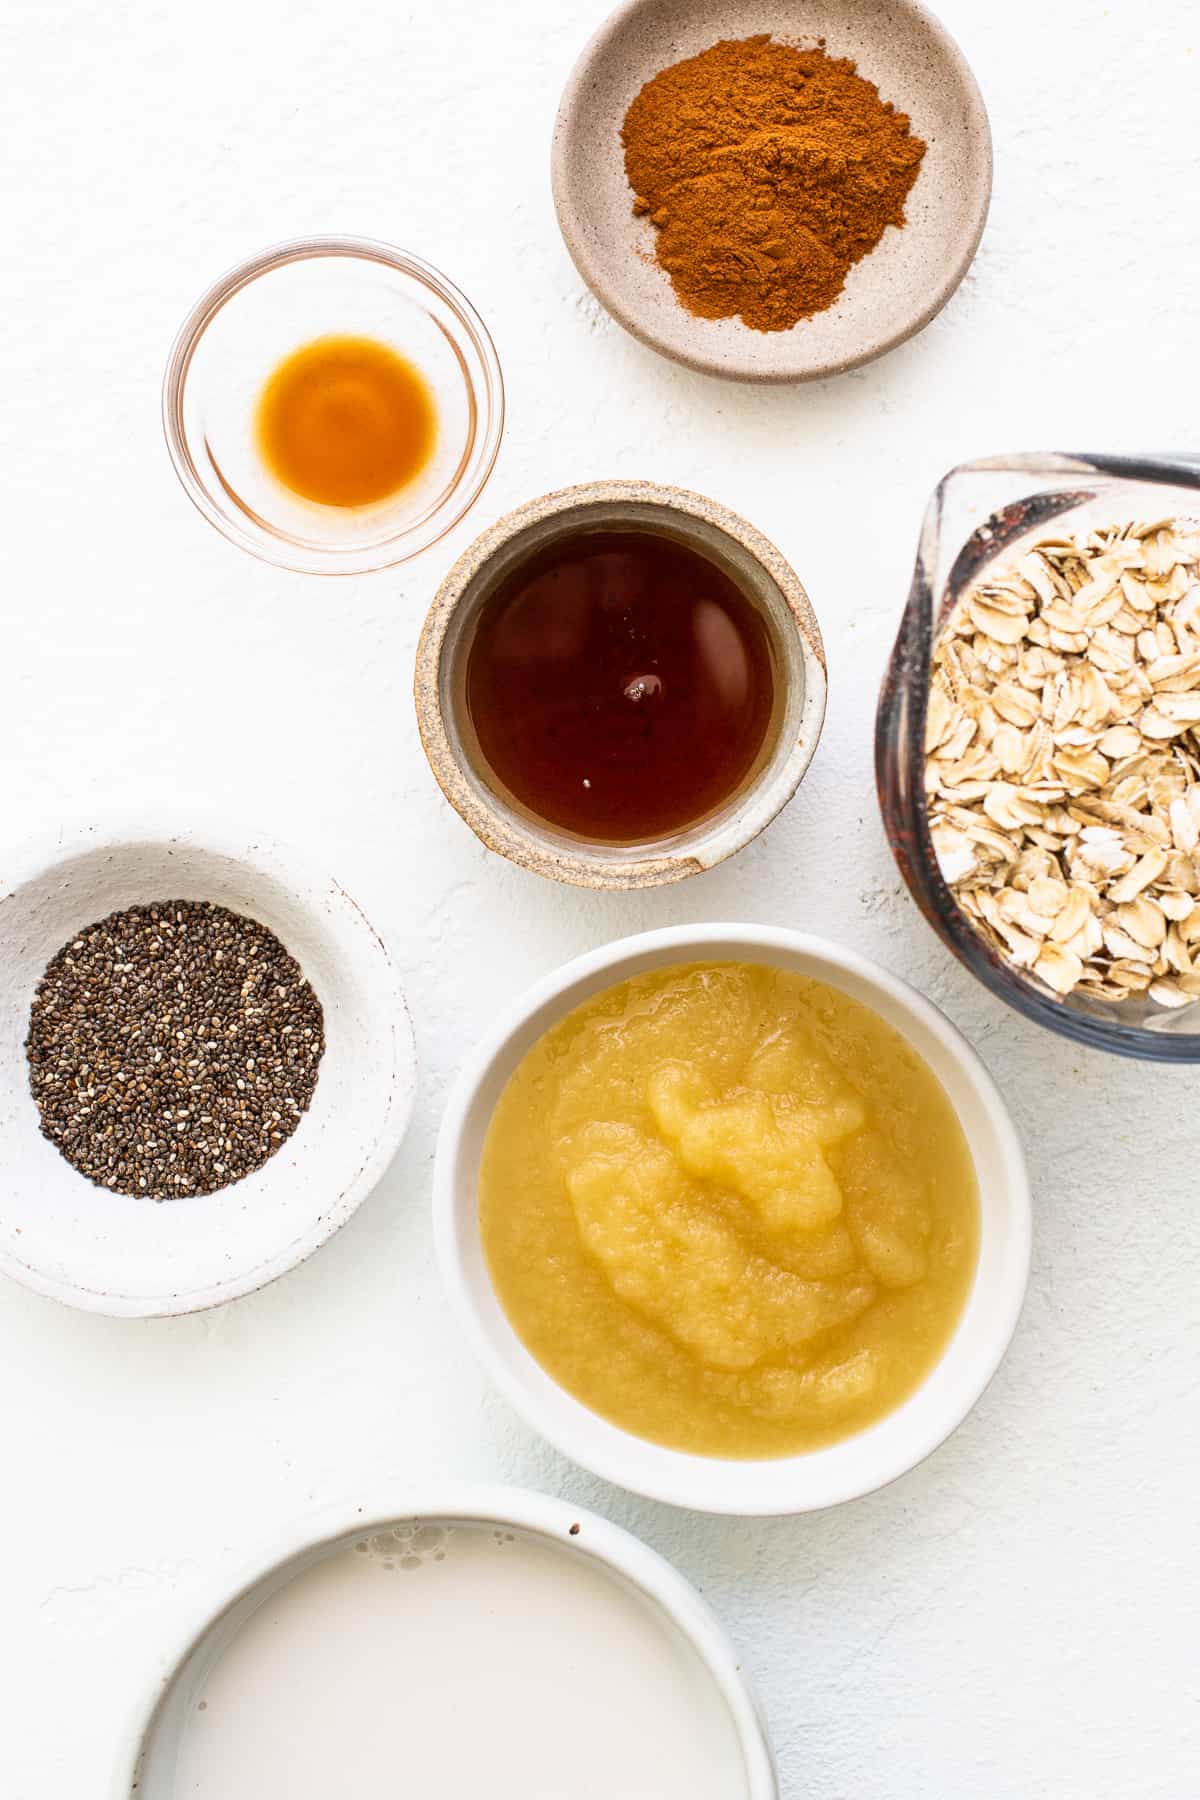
(1062,770)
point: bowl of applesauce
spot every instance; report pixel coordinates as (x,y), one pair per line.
(733,1217)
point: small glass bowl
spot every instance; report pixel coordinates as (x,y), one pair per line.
(237,335)
(981,512)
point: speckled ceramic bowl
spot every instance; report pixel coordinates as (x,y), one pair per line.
(112,1253)
(450,743)
(891,294)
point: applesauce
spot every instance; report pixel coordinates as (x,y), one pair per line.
(730,1209)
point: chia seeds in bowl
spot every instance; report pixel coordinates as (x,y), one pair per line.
(92,1245)
(173,1048)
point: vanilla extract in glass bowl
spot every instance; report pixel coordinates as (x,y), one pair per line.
(333,405)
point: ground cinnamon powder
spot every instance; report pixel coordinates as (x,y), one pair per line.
(769,172)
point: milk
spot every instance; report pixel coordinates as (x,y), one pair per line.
(458,1663)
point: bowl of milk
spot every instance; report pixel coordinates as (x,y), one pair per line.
(476,1642)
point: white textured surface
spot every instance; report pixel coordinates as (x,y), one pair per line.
(1017,1618)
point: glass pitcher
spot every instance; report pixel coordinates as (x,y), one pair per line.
(982,511)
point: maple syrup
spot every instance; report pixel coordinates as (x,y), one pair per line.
(346,421)
(620,684)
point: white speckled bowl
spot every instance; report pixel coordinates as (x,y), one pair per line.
(105,1252)
(148,1764)
(891,294)
(790,1484)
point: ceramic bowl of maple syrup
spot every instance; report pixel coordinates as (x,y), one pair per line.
(333,405)
(620,684)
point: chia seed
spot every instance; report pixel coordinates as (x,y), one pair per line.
(173,1048)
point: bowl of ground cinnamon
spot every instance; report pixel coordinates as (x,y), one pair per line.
(772,190)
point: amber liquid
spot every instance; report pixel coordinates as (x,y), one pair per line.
(620,685)
(346,421)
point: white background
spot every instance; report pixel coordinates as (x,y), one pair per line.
(1018,1617)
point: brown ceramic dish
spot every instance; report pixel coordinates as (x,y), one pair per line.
(892,294)
(762,575)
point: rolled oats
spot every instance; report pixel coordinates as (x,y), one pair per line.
(1063,761)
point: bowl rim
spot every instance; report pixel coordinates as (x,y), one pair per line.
(39,856)
(682,1478)
(412,540)
(618,1551)
(728,367)
(701,846)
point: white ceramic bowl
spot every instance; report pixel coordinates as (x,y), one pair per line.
(148,1763)
(780,1485)
(110,1253)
